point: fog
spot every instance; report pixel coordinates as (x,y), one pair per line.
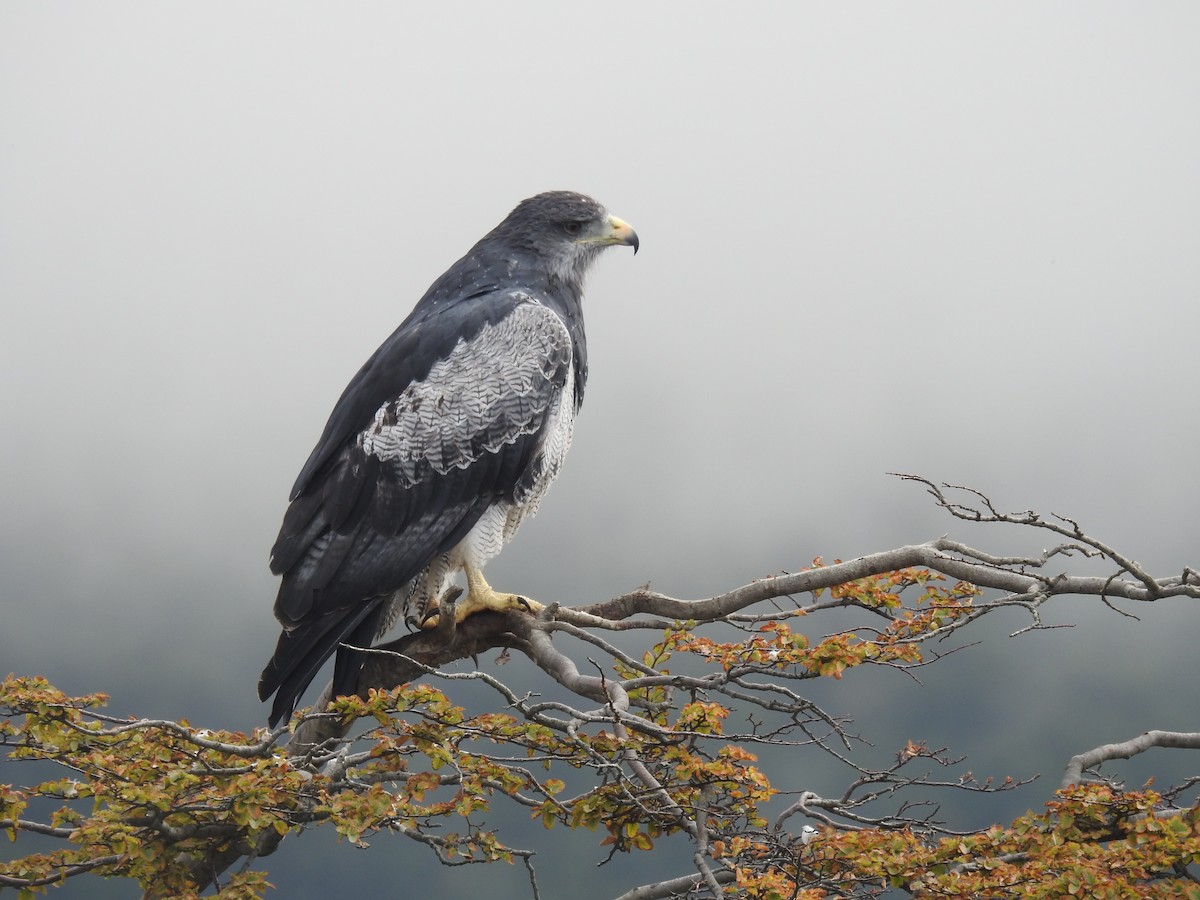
(959,240)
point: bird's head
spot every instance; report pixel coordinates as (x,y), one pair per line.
(564,231)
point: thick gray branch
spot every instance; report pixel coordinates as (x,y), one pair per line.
(674,887)
(1182,740)
(948,557)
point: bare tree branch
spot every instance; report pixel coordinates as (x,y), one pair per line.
(675,887)
(1125,750)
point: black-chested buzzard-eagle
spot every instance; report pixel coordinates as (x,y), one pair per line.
(443,442)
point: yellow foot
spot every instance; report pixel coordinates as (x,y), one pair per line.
(481,598)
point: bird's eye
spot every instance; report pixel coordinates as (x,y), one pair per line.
(572,228)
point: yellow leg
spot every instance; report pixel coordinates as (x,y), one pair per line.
(481,598)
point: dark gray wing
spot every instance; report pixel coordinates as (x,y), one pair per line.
(445,420)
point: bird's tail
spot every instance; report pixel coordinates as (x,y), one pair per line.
(301,652)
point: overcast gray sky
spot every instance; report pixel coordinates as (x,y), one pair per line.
(954,239)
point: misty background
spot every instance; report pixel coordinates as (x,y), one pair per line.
(960,240)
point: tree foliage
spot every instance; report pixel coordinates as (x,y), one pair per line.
(633,747)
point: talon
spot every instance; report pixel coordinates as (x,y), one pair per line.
(429,617)
(480,598)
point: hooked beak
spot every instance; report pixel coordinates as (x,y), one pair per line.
(619,232)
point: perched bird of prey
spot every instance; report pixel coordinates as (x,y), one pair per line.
(440,446)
